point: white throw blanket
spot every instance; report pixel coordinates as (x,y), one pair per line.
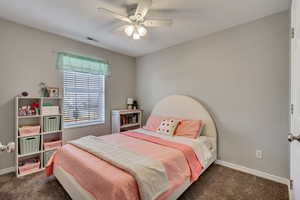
(149,174)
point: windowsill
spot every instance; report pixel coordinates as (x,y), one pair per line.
(84,125)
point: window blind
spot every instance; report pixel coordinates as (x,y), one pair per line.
(75,63)
(84,98)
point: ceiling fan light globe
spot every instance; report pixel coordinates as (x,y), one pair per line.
(136,36)
(142,31)
(129,30)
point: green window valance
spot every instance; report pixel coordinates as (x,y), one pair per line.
(75,63)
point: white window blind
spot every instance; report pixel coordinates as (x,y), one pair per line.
(84,98)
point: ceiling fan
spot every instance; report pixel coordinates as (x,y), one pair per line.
(136,19)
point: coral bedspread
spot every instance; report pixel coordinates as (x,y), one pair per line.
(105,181)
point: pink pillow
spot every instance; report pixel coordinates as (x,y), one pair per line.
(154,122)
(189,128)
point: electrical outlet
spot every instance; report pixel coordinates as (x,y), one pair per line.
(259,154)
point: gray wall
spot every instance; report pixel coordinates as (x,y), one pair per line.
(242,76)
(27,57)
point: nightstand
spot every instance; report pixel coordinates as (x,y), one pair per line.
(124,120)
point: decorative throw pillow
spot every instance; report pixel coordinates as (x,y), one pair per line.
(168,126)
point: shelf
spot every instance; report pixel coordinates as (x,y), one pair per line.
(51,115)
(126,112)
(28,135)
(51,97)
(39,97)
(51,132)
(29,116)
(36,116)
(28,97)
(51,149)
(28,154)
(130,125)
(31,172)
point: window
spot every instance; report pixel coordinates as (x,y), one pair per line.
(84,98)
(84,89)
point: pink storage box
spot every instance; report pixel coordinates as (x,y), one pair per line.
(29,166)
(29,130)
(50,110)
(52,144)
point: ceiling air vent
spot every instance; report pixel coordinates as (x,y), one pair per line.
(91,39)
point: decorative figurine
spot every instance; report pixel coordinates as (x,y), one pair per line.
(44,91)
(25,94)
(135,105)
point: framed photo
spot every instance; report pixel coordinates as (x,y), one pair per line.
(53,92)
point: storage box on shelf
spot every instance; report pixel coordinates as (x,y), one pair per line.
(29,165)
(50,110)
(29,144)
(52,144)
(47,156)
(51,123)
(35,131)
(29,130)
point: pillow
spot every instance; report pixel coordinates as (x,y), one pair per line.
(168,126)
(153,122)
(189,128)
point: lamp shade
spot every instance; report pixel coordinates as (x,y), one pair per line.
(130,101)
(136,36)
(129,30)
(142,31)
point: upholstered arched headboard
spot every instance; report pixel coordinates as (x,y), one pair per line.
(188,108)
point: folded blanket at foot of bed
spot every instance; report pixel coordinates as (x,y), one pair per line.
(149,174)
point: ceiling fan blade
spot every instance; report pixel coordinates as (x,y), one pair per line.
(115,15)
(157,23)
(142,9)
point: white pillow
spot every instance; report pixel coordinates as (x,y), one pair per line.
(168,126)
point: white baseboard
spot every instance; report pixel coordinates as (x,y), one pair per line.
(254,172)
(7,170)
(291,195)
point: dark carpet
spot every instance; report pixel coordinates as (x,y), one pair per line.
(217,183)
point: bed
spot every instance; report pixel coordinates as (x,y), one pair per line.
(176,106)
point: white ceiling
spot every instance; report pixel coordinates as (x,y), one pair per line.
(78,19)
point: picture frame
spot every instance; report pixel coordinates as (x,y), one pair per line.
(53,91)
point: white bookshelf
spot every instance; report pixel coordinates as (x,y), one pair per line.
(119,122)
(36,120)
